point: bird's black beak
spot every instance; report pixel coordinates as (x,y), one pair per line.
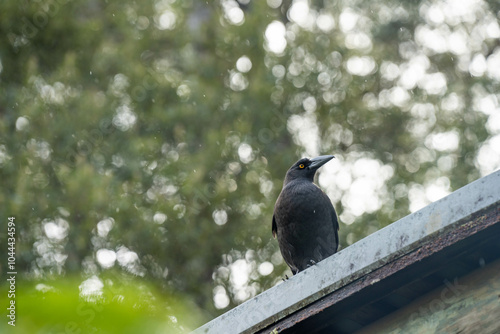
(320,161)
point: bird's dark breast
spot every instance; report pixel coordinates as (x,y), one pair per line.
(304,219)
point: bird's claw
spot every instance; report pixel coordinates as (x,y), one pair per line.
(311,263)
(285,279)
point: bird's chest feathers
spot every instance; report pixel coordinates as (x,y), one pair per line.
(302,205)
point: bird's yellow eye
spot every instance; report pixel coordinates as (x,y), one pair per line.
(301,166)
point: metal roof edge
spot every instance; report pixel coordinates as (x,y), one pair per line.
(360,258)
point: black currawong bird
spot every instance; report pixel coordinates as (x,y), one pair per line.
(304,219)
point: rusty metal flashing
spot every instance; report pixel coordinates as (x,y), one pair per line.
(402,244)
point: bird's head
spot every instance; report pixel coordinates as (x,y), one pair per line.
(306,168)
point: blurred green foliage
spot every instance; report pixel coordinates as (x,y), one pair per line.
(125,306)
(152,137)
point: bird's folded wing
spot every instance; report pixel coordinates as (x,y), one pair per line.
(274,228)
